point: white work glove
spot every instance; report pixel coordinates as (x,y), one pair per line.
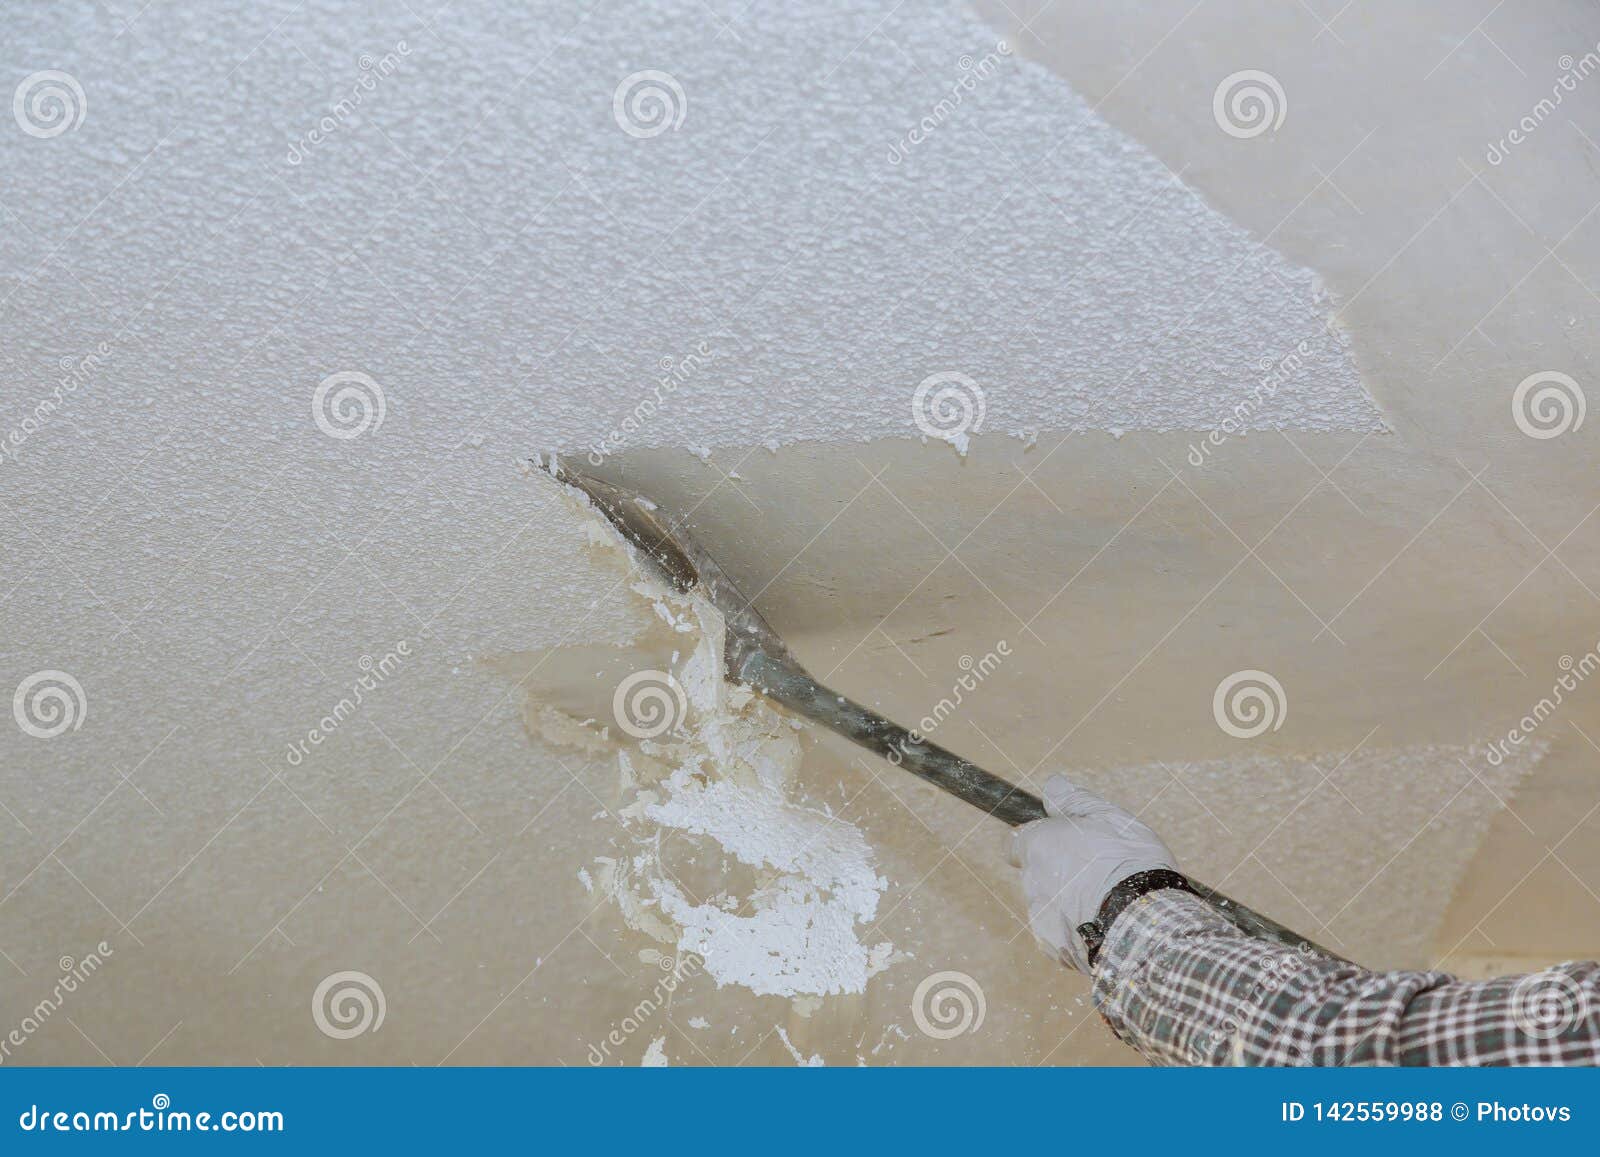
(1071,861)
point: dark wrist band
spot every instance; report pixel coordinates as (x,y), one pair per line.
(1094,932)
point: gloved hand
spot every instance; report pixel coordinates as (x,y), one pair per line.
(1071,861)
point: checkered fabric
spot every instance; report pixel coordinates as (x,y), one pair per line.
(1184,986)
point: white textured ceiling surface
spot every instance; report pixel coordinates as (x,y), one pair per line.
(475,231)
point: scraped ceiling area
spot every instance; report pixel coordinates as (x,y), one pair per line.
(936,333)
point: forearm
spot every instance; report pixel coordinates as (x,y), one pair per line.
(1184,986)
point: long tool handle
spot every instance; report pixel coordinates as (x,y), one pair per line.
(792,686)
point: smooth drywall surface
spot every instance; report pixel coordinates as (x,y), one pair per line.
(1437,164)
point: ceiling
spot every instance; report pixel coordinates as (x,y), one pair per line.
(735,314)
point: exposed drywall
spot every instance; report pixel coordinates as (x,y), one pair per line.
(1437,164)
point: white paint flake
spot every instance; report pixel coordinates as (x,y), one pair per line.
(723,778)
(655,1057)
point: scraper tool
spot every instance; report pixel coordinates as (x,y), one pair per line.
(758,658)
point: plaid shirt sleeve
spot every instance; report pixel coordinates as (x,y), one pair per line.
(1184,986)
